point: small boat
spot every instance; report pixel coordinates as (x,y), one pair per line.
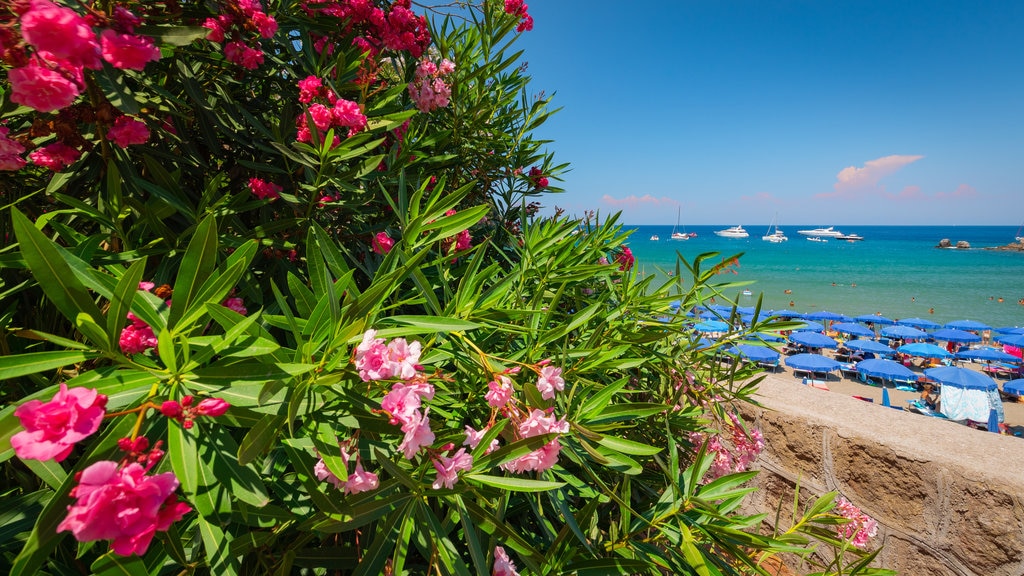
(829,232)
(747,293)
(850,237)
(655,238)
(734,232)
(776,236)
(679,235)
(816,239)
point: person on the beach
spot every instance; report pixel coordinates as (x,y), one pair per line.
(930,399)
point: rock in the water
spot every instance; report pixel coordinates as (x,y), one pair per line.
(944,243)
(963,244)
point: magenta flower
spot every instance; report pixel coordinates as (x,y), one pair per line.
(187,411)
(56,156)
(499,391)
(10,152)
(503,565)
(40,88)
(448,468)
(122,505)
(264,190)
(52,428)
(309,88)
(212,407)
(60,32)
(625,259)
(549,381)
(136,339)
(128,131)
(348,114)
(127,51)
(236,304)
(382,243)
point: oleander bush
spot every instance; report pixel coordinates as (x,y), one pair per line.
(277,299)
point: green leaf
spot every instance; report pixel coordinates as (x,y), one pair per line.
(627,446)
(18,365)
(431,324)
(110,564)
(515,484)
(196,267)
(605,566)
(217,448)
(122,298)
(174,35)
(260,438)
(49,471)
(195,473)
(51,271)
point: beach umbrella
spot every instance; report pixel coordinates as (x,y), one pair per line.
(767,337)
(967,325)
(748,310)
(924,350)
(812,363)
(1015,340)
(825,315)
(852,329)
(875,319)
(756,353)
(921,323)
(1009,330)
(903,332)
(813,340)
(869,346)
(961,378)
(812,326)
(674,305)
(711,326)
(954,335)
(788,314)
(987,354)
(1015,387)
(993,421)
(885,369)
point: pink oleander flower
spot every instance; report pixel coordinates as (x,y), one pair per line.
(536,424)
(128,51)
(348,114)
(428,90)
(625,259)
(236,304)
(264,190)
(40,88)
(10,152)
(549,381)
(860,527)
(186,411)
(503,565)
(537,177)
(51,429)
(371,358)
(473,438)
(212,407)
(358,481)
(499,391)
(128,131)
(324,474)
(123,505)
(463,241)
(216,30)
(404,358)
(137,339)
(322,117)
(55,156)
(417,434)
(266,24)
(61,32)
(448,468)
(309,88)
(245,56)
(382,243)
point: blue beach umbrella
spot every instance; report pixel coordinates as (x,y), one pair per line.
(1015,387)
(961,378)
(812,327)
(788,314)
(885,369)
(767,337)
(852,329)
(967,325)
(919,323)
(993,421)
(1009,330)
(903,332)
(954,335)
(869,346)
(813,340)
(885,398)
(812,363)
(924,350)
(748,310)
(757,353)
(825,315)
(1016,340)
(711,326)
(987,354)
(875,319)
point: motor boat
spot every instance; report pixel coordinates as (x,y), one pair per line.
(734,232)
(680,236)
(815,239)
(655,238)
(850,237)
(829,232)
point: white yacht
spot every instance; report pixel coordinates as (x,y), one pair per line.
(776,236)
(655,237)
(734,232)
(829,232)
(816,239)
(680,235)
(850,237)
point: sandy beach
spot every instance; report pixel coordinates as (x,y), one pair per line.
(1013,411)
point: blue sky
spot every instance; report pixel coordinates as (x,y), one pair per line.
(826,112)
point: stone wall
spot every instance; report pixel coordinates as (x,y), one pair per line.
(949,500)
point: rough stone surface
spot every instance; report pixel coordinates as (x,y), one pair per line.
(944,243)
(949,500)
(963,244)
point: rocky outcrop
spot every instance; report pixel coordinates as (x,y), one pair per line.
(945,243)
(949,500)
(1012,247)
(964,244)
(960,244)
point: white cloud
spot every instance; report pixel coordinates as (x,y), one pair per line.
(853,182)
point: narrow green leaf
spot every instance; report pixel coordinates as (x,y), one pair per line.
(196,267)
(515,484)
(48,471)
(217,447)
(110,564)
(431,324)
(121,301)
(627,446)
(260,437)
(17,365)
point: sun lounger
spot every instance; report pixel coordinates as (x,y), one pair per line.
(819,384)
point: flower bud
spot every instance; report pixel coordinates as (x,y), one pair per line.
(212,407)
(171,409)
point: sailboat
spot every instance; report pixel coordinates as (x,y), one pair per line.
(776,236)
(680,235)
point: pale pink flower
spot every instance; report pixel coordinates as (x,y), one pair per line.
(61,32)
(52,428)
(123,505)
(324,474)
(236,304)
(402,403)
(448,468)
(417,434)
(549,381)
(372,358)
(361,480)
(404,358)
(127,131)
(860,527)
(499,391)
(473,438)
(503,565)
(382,243)
(55,156)
(40,88)
(127,51)
(537,423)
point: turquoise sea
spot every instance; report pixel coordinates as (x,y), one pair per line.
(896,270)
